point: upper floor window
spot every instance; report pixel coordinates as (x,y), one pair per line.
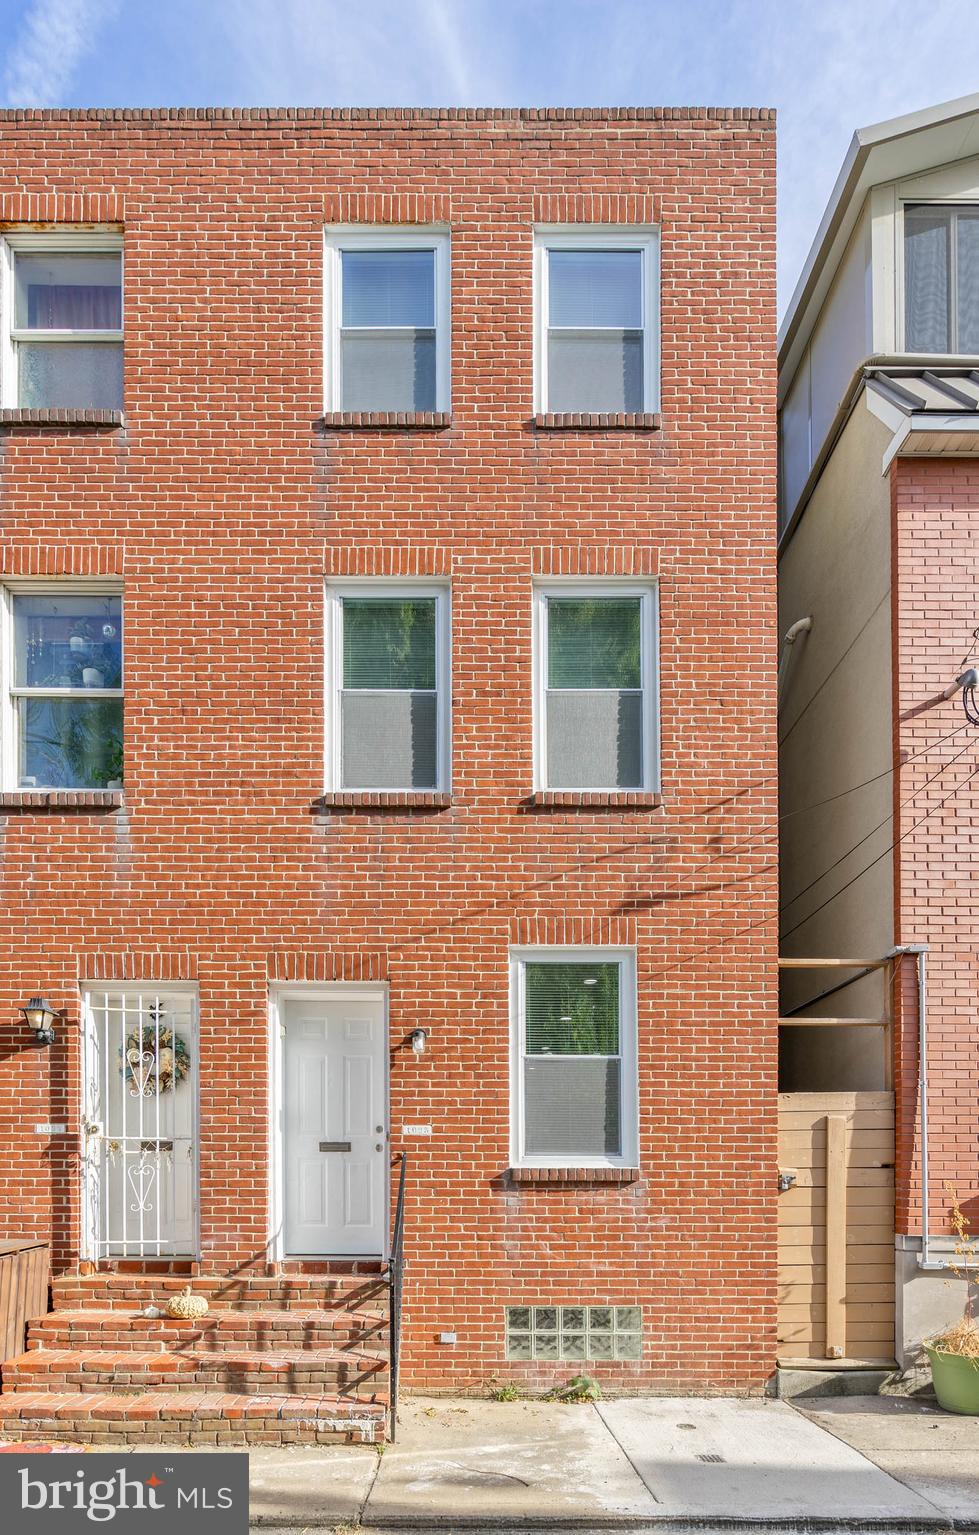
(941,278)
(388,668)
(596,331)
(63,688)
(596,686)
(387,320)
(63,322)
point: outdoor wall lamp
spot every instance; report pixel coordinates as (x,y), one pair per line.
(39,1016)
(418,1039)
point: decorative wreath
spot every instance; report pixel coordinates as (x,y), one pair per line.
(155,1060)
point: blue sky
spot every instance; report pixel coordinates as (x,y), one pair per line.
(827,65)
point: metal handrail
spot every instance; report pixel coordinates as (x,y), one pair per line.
(395,1290)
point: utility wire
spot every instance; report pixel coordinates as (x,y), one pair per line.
(896,843)
(873,830)
(923,751)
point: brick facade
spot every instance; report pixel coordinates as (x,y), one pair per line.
(223,501)
(934,504)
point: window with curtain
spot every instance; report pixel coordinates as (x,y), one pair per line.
(66,690)
(67,328)
(574,1047)
(596,709)
(941,278)
(391,711)
(389,296)
(595,332)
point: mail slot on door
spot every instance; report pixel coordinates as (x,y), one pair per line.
(334,1145)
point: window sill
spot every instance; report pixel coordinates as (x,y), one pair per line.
(584,421)
(61,799)
(594,799)
(11,415)
(387,420)
(383,800)
(574,1174)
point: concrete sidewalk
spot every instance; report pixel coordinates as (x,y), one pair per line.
(642,1464)
(658,1465)
(934,1453)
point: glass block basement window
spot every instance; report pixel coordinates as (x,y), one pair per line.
(573,1332)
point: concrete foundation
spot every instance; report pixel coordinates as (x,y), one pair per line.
(926,1300)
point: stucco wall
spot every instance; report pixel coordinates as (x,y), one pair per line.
(835,736)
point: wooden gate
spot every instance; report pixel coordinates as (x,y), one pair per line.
(836,1227)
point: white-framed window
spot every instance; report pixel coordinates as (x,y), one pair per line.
(574,1091)
(941,277)
(387,319)
(596,685)
(62,321)
(388,705)
(596,331)
(62,687)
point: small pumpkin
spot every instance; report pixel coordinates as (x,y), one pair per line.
(187,1306)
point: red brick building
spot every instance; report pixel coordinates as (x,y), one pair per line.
(424,463)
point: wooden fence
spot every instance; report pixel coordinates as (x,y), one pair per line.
(24,1277)
(836,1227)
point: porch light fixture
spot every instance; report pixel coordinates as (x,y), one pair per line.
(39,1015)
(418,1039)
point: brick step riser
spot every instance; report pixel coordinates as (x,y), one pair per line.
(333,1379)
(110,1423)
(136,1438)
(141,1333)
(322,1295)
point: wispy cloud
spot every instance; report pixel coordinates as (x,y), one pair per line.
(54,38)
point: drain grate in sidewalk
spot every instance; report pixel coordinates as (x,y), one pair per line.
(712,1460)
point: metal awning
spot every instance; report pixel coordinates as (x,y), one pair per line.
(932,411)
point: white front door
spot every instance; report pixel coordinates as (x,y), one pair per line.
(334,1125)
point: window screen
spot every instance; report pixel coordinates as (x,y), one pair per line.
(388,330)
(571,1059)
(68,330)
(389,695)
(941,279)
(595,330)
(594,693)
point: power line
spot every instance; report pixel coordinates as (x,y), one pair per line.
(924,750)
(896,843)
(873,831)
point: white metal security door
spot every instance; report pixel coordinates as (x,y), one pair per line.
(140,1124)
(334,1125)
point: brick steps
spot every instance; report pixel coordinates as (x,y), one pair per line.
(243,1371)
(261,1330)
(203,1417)
(283,1292)
(279,1359)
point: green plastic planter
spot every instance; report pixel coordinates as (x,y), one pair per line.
(956,1381)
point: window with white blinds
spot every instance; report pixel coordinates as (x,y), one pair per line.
(596,331)
(387,297)
(941,278)
(574,1088)
(596,702)
(389,675)
(63,329)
